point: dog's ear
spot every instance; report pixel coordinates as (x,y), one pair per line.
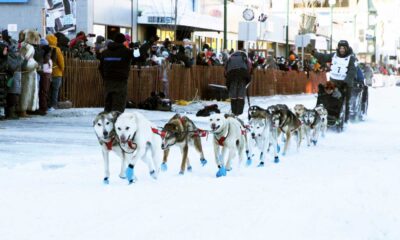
(177,116)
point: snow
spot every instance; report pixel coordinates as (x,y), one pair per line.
(51,172)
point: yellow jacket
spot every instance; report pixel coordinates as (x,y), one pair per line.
(58,69)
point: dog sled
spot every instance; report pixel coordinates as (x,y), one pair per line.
(336,107)
(358,104)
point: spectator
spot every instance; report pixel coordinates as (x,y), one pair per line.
(3,78)
(45,79)
(57,73)
(237,73)
(81,36)
(14,61)
(62,41)
(114,67)
(99,45)
(29,100)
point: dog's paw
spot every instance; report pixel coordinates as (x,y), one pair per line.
(181,172)
(189,169)
(314,142)
(248,162)
(153,174)
(203,162)
(261,164)
(221,172)
(164,167)
(106,181)
(228,169)
(129,172)
(276,160)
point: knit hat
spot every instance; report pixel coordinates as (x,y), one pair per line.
(119,38)
(43,42)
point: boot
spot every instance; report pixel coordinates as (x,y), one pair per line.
(234,106)
(239,106)
(23,114)
(11,113)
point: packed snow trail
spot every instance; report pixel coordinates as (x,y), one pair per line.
(344,188)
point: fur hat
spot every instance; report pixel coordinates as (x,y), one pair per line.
(32,37)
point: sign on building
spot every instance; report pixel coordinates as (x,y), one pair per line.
(60,16)
(247,31)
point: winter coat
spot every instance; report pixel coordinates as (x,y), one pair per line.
(59,65)
(115,62)
(351,71)
(29,99)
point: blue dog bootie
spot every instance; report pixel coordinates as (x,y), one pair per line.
(221,172)
(130,174)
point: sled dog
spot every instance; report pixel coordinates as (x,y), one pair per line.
(299,110)
(260,132)
(136,136)
(257,112)
(286,121)
(229,136)
(103,126)
(182,132)
(312,123)
(323,115)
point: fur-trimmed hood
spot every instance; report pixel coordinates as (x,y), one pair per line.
(32,37)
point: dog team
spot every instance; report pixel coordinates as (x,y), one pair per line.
(131,136)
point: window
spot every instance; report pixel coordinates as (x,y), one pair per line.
(319,3)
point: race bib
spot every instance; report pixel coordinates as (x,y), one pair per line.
(339,67)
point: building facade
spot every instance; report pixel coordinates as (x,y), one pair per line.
(102,17)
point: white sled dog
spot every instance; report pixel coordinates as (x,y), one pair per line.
(135,133)
(323,114)
(229,136)
(103,126)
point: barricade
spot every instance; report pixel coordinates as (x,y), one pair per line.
(82,83)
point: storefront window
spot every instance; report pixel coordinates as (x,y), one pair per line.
(163,34)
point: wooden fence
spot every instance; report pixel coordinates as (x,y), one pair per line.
(83,85)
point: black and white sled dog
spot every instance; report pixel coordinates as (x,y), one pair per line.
(182,132)
(136,137)
(229,136)
(312,123)
(323,114)
(260,131)
(103,126)
(284,121)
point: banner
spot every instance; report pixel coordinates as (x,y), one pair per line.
(60,16)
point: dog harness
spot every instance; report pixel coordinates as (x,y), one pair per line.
(222,139)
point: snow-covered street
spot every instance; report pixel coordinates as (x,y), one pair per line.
(51,172)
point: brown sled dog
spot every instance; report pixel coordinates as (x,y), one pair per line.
(182,132)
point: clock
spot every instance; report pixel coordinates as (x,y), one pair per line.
(248,14)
